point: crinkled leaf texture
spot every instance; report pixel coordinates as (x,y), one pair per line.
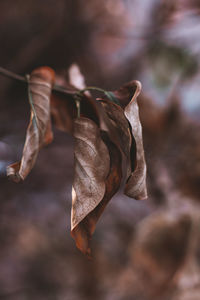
(121,132)
(96,179)
(39,130)
(136,179)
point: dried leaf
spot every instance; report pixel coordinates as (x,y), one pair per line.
(136,181)
(97,178)
(83,231)
(124,140)
(91,162)
(63,107)
(64,110)
(39,130)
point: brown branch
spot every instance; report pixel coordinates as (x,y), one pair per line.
(12,75)
(18,77)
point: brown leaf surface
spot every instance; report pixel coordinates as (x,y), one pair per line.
(91,163)
(97,178)
(39,130)
(124,139)
(63,107)
(83,231)
(136,181)
(64,110)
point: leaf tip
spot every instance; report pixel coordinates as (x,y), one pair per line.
(45,73)
(13,172)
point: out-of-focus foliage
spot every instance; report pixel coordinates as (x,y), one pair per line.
(113,42)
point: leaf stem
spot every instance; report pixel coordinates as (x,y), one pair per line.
(78,105)
(61,89)
(109,95)
(12,75)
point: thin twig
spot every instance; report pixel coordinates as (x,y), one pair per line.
(77,96)
(12,75)
(18,77)
(108,94)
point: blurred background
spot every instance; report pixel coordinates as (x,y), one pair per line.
(142,250)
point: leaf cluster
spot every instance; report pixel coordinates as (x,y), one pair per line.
(107,135)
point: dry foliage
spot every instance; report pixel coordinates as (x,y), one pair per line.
(39,130)
(107,131)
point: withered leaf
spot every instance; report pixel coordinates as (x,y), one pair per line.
(63,107)
(83,231)
(123,137)
(91,167)
(39,130)
(136,181)
(64,110)
(97,178)
(103,130)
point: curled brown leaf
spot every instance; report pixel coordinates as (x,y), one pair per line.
(123,137)
(91,163)
(39,130)
(136,174)
(84,230)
